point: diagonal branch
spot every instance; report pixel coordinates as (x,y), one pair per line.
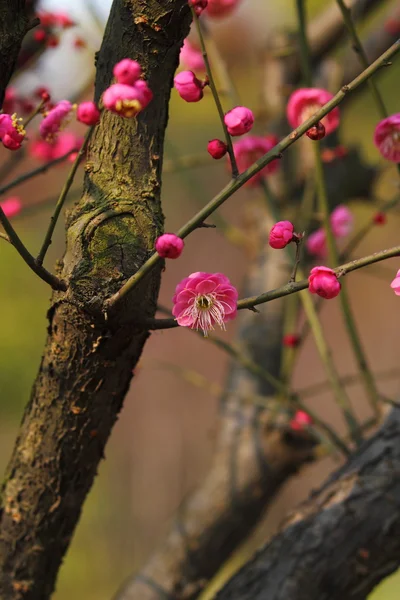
(343,541)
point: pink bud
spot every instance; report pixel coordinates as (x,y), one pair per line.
(316,243)
(191,57)
(88,113)
(379,218)
(12,206)
(169,245)
(188,86)
(395,285)
(301,420)
(251,148)
(317,132)
(281,234)
(305,102)
(198,5)
(217,149)
(341,221)
(127,71)
(387,138)
(221,8)
(291,340)
(239,120)
(323,281)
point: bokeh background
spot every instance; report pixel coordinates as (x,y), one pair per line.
(163,443)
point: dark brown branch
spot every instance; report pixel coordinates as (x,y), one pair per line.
(88,362)
(343,541)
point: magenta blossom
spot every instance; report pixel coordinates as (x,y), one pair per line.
(169,245)
(11,206)
(251,148)
(127,100)
(203,300)
(55,119)
(88,113)
(387,137)
(323,281)
(281,234)
(316,243)
(12,132)
(341,221)
(188,86)
(305,102)
(221,8)
(217,149)
(191,57)
(62,144)
(395,285)
(239,120)
(300,421)
(127,71)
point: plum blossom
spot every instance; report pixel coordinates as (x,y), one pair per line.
(395,285)
(169,245)
(305,102)
(387,138)
(251,148)
(239,120)
(323,281)
(55,119)
(203,300)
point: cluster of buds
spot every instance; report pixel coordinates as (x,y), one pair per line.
(130,95)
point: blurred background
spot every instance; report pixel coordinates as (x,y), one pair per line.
(163,443)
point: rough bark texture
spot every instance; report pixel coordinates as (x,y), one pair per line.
(13,27)
(88,360)
(343,541)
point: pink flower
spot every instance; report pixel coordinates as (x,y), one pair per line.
(169,245)
(395,285)
(341,221)
(305,102)
(127,71)
(323,281)
(239,120)
(188,86)
(127,100)
(88,113)
(316,243)
(12,206)
(191,57)
(62,144)
(203,300)
(12,133)
(198,5)
(217,149)
(300,421)
(281,234)
(387,137)
(250,149)
(55,119)
(221,8)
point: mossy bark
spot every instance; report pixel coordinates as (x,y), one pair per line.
(89,357)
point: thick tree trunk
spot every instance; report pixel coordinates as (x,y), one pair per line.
(343,541)
(88,360)
(13,27)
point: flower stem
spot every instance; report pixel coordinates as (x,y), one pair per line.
(235,171)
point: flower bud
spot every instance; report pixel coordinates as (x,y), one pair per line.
(379,218)
(291,340)
(317,132)
(323,281)
(217,149)
(188,86)
(300,421)
(281,234)
(169,245)
(127,71)
(88,113)
(239,120)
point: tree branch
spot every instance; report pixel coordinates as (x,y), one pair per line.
(87,364)
(343,541)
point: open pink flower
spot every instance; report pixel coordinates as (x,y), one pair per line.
(221,8)
(305,102)
(127,100)
(11,206)
(55,119)
(188,86)
(65,142)
(191,57)
(395,285)
(323,281)
(387,137)
(341,221)
(203,300)
(316,243)
(239,120)
(251,148)
(12,132)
